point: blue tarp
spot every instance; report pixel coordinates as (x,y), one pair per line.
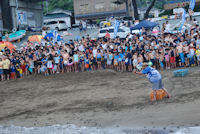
(146,24)
(48,36)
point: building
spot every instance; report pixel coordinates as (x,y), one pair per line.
(93,9)
(20,13)
(178,3)
(60,14)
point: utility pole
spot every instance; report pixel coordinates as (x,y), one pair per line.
(47,6)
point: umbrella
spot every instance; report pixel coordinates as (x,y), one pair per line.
(35,38)
(146,24)
(7,44)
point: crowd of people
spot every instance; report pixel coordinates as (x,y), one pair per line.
(162,51)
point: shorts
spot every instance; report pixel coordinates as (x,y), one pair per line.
(70,64)
(35,63)
(172,59)
(198,57)
(61,67)
(98,59)
(1,71)
(6,71)
(186,55)
(129,62)
(12,75)
(157,85)
(182,57)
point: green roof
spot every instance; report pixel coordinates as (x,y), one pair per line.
(56,15)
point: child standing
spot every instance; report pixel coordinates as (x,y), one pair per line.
(198,55)
(135,60)
(13,72)
(76,59)
(50,64)
(1,69)
(99,58)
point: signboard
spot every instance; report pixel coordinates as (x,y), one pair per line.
(22,17)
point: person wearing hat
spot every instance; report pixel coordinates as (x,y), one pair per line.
(154,77)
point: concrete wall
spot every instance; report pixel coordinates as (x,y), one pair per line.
(34,12)
(108,6)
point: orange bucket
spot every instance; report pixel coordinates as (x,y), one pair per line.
(160,94)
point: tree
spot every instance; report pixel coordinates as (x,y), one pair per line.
(63,4)
(135,9)
(119,2)
(146,15)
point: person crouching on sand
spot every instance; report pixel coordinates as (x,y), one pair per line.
(154,77)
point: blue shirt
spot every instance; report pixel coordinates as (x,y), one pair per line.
(105,56)
(152,74)
(122,55)
(116,57)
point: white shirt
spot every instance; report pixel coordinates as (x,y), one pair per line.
(43,33)
(94,52)
(168,27)
(84,24)
(81,48)
(104,46)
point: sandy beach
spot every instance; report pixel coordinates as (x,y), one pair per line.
(100,99)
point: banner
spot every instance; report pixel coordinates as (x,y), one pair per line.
(22,17)
(116,27)
(192,4)
(183,20)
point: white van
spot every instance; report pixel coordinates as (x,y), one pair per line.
(56,24)
(122,32)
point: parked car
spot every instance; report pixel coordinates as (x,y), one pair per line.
(58,25)
(122,32)
(75,26)
(34,29)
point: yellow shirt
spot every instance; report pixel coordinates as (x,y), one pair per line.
(20,70)
(198,52)
(6,64)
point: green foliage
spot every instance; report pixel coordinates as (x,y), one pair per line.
(166,12)
(63,4)
(159,3)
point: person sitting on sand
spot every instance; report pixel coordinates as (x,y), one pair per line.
(154,77)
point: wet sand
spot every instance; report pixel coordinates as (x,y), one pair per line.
(100,99)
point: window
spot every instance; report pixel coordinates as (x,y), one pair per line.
(52,22)
(84,8)
(114,6)
(111,30)
(100,7)
(103,31)
(61,22)
(120,30)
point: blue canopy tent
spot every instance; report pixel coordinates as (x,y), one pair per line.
(146,24)
(48,36)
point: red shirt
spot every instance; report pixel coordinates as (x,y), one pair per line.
(107,35)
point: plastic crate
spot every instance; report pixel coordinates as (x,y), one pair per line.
(181,73)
